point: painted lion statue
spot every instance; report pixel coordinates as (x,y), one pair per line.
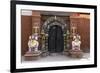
(33,43)
(76,42)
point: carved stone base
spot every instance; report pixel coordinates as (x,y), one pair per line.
(66,52)
(76,53)
(32,55)
(44,54)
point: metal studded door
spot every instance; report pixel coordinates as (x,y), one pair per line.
(55,39)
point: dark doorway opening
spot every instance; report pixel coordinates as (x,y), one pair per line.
(55,39)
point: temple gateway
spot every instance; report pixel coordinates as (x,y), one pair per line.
(44,33)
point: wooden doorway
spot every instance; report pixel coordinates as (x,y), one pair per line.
(55,39)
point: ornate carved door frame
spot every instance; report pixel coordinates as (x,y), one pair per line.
(46,26)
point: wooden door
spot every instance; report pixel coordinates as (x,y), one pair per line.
(55,39)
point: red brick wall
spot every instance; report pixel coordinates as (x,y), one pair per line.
(83,29)
(26,30)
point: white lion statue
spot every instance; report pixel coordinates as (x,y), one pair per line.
(76,42)
(33,43)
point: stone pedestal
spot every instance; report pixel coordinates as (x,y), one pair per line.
(66,52)
(32,55)
(76,53)
(44,54)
